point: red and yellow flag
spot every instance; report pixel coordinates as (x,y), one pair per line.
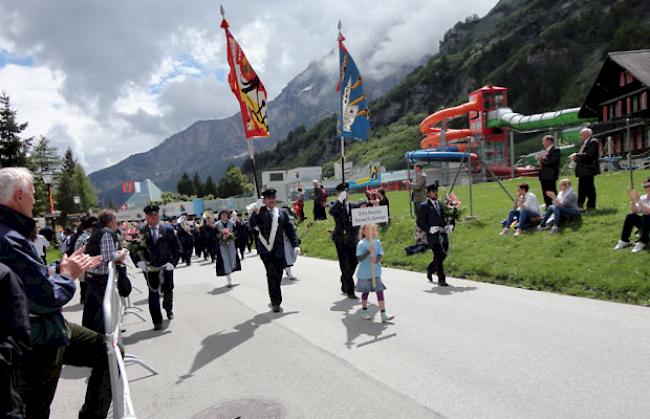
(247,87)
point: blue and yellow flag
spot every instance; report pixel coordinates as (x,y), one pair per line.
(354,117)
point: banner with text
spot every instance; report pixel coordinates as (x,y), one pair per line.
(370,215)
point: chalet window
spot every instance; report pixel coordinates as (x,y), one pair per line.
(611,112)
(628,108)
(629,78)
(644,101)
(635,103)
(276,177)
(619,108)
(621,79)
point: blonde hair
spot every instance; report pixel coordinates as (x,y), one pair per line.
(567,181)
(368,228)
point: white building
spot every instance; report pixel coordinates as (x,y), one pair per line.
(287,181)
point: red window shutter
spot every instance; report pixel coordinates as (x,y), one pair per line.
(619,109)
(629,105)
(644,100)
(604,114)
(621,79)
(629,78)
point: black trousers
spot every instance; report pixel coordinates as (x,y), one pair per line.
(439,244)
(10,403)
(156,287)
(39,371)
(586,191)
(347,255)
(93,315)
(548,185)
(274,267)
(187,256)
(641,222)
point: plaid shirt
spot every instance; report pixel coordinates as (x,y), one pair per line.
(108,253)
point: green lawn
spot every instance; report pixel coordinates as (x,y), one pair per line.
(578,261)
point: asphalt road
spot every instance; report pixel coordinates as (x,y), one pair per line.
(472,350)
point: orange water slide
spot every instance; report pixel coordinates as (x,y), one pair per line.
(432,133)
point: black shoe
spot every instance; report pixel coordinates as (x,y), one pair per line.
(170,315)
(443,284)
(353,296)
(157,326)
(276,308)
(430,276)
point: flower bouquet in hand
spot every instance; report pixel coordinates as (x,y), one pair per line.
(226,235)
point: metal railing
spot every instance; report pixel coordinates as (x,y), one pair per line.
(114,311)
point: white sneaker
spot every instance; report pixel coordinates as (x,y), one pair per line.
(621,245)
(638,247)
(554,229)
(365,314)
(386,317)
(503,232)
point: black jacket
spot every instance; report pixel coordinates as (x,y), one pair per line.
(428,217)
(167,249)
(344,231)
(550,165)
(14,316)
(262,222)
(46,293)
(587,162)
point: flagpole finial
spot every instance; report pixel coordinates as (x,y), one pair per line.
(340,26)
(223,12)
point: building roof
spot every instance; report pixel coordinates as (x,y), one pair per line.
(637,62)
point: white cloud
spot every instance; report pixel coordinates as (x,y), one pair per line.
(115,78)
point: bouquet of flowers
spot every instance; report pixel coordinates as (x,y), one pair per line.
(226,235)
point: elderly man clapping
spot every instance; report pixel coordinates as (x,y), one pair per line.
(54,341)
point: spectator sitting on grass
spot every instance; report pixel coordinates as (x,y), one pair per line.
(525,210)
(638,217)
(565,205)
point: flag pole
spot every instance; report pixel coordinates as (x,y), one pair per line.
(340,26)
(251,154)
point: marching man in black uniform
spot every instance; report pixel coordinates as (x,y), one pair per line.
(345,238)
(160,253)
(272,224)
(431,218)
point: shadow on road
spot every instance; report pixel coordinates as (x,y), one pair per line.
(287,281)
(145,334)
(448,290)
(356,326)
(222,290)
(214,346)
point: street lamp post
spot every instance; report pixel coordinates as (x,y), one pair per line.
(48,179)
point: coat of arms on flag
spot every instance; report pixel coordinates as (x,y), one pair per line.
(247,87)
(354,115)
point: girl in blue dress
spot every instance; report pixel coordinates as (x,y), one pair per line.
(369,253)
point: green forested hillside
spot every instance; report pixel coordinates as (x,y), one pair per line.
(547,52)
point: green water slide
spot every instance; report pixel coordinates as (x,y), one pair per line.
(565,121)
(505,117)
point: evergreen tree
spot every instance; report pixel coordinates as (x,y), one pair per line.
(234,183)
(84,190)
(43,158)
(13,149)
(198,185)
(65,188)
(185,186)
(210,187)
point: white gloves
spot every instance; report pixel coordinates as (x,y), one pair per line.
(449,228)
(296,251)
(343,196)
(143,266)
(259,204)
(168,266)
(434,230)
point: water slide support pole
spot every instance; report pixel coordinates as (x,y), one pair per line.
(444,166)
(511,135)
